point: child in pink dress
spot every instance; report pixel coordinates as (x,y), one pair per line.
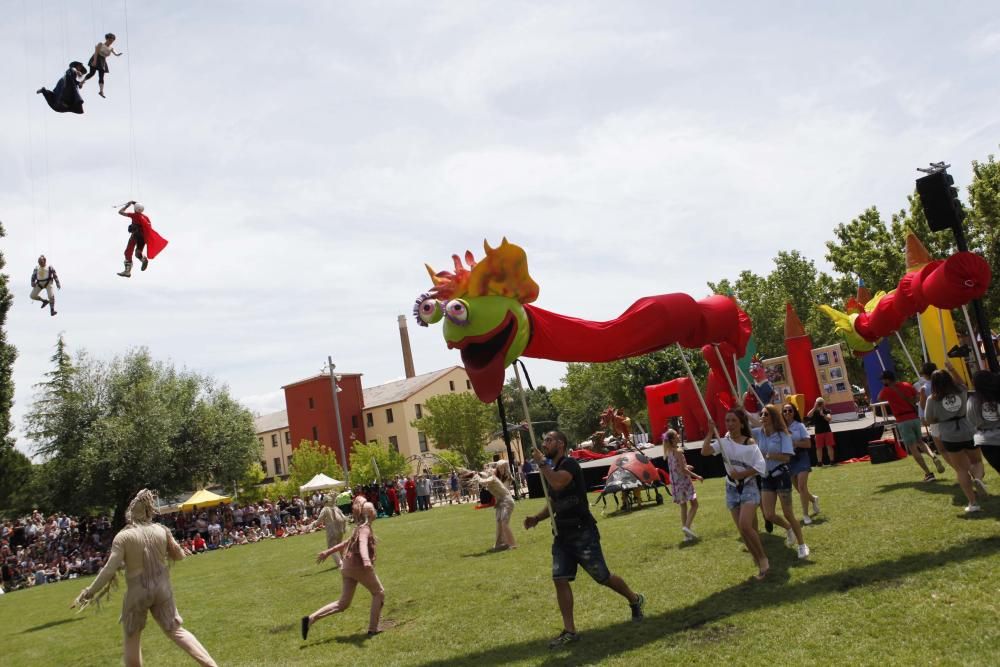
(681,478)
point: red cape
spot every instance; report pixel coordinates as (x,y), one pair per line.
(154,242)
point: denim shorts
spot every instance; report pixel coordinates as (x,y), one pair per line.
(579,547)
(749,495)
(780,484)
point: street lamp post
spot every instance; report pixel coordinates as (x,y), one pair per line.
(336,415)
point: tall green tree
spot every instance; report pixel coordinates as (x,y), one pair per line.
(309,460)
(109,428)
(544,415)
(983,223)
(365,458)
(461,423)
(8,353)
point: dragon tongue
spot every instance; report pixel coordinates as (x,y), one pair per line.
(487,381)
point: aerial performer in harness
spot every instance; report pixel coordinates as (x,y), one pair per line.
(99,61)
(488,318)
(41,279)
(141,235)
(65,97)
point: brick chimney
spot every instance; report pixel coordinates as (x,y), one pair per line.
(404,340)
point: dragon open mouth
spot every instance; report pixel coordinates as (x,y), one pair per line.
(484,358)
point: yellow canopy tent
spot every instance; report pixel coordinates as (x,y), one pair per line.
(202,499)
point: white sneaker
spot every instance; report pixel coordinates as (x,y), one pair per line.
(806,521)
(981,487)
(815,504)
(689,533)
(969,509)
(790,537)
(803,551)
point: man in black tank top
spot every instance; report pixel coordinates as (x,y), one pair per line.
(576,542)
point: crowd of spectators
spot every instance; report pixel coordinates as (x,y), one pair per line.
(36,550)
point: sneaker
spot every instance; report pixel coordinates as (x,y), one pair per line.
(145,263)
(790,537)
(815,504)
(689,533)
(980,487)
(929,477)
(565,637)
(768,526)
(969,509)
(637,606)
(938,464)
(806,521)
(803,551)
(305,627)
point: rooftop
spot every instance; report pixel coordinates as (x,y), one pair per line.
(324,376)
(272,421)
(400,390)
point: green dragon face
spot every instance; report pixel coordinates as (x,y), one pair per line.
(489,331)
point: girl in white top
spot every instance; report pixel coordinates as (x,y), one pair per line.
(743,462)
(99,61)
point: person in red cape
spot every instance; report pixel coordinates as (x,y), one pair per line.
(141,235)
(411,494)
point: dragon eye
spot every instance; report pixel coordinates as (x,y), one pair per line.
(427,310)
(457,311)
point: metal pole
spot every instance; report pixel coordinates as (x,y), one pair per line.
(336,415)
(506,441)
(977,307)
(534,445)
(879,356)
(916,373)
(972,337)
(923,341)
(704,406)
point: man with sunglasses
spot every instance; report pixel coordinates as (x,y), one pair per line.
(577,542)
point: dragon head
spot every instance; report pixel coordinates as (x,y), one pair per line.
(482,305)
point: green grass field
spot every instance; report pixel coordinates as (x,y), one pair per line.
(898,576)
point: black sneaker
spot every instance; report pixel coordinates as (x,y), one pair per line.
(565,637)
(305,627)
(637,606)
(929,477)
(768,526)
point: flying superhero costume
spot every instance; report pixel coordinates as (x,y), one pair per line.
(141,235)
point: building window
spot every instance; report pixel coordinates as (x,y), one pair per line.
(261,438)
(315,434)
(288,438)
(468,384)
(311,404)
(388,415)
(369,420)
(451,385)
(354,421)
(277,465)
(373,441)
(419,410)
(394,443)
(263,466)
(274,439)
(422,439)
(290,461)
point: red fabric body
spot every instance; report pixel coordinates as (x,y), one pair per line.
(649,324)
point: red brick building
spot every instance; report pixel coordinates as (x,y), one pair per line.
(309,404)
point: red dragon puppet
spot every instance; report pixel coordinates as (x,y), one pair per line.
(488,317)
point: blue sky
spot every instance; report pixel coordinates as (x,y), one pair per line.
(305,159)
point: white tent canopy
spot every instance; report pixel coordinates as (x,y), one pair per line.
(320,482)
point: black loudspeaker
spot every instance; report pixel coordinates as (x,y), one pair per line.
(939,198)
(881,452)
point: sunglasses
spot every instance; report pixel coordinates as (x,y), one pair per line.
(786,409)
